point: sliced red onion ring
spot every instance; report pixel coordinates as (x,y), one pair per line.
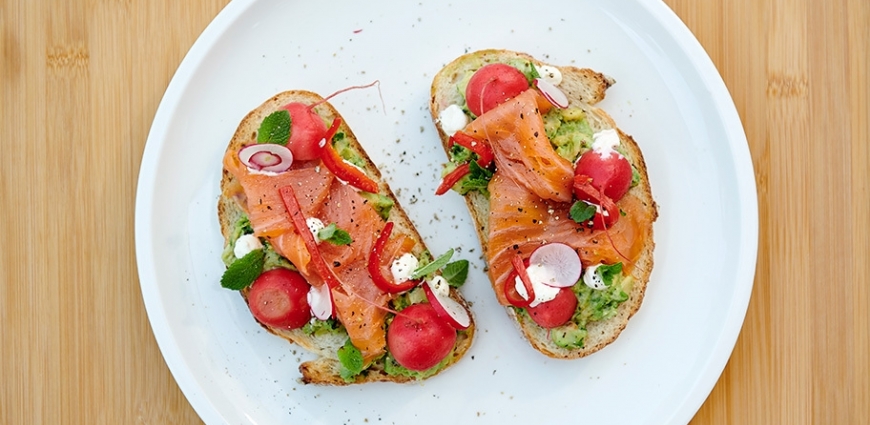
(266,157)
(552,93)
(320,300)
(557,265)
(447,308)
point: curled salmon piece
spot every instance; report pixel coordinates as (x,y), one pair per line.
(522,151)
(520,221)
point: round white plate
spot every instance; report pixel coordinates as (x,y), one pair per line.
(668,96)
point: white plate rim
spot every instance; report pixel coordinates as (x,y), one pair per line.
(746,188)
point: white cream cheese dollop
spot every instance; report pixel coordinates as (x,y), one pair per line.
(403,267)
(315,226)
(452,119)
(593,279)
(550,74)
(604,142)
(245,244)
(440,286)
(537,275)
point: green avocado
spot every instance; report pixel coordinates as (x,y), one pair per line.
(592,305)
(271,261)
(393,368)
(568,336)
(570,137)
(380,203)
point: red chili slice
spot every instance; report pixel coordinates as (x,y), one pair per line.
(343,170)
(451,178)
(479,147)
(298,220)
(374,265)
(510,290)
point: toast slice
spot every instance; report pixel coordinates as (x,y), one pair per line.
(584,88)
(325,341)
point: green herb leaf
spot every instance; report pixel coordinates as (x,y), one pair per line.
(242,272)
(431,267)
(609,272)
(581,212)
(533,73)
(456,272)
(334,235)
(351,361)
(275,128)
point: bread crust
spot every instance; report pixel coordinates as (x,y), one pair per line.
(324,370)
(584,88)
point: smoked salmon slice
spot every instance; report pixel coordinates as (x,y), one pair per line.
(266,211)
(520,221)
(521,149)
(360,305)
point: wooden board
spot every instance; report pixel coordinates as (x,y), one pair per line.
(81,80)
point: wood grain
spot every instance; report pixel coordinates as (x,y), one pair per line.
(80,83)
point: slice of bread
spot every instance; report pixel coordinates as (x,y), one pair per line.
(326,368)
(584,88)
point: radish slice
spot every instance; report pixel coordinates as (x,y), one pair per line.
(556,265)
(320,300)
(552,93)
(446,307)
(266,157)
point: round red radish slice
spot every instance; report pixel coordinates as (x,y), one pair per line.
(266,157)
(277,298)
(446,307)
(556,264)
(418,338)
(492,85)
(320,300)
(552,93)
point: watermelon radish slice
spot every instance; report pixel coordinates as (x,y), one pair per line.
(447,308)
(320,300)
(266,157)
(556,265)
(552,93)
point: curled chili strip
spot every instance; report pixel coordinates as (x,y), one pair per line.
(343,170)
(510,290)
(484,153)
(298,220)
(374,265)
(451,178)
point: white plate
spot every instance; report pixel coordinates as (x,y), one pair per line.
(668,96)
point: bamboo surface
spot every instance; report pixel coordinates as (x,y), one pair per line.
(81,80)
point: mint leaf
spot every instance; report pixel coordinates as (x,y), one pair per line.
(609,272)
(533,73)
(581,211)
(456,272)
(242,272)
(334,235)
(351,361)
(431,267)
(275,128)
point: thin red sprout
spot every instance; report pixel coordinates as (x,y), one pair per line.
(376,82)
